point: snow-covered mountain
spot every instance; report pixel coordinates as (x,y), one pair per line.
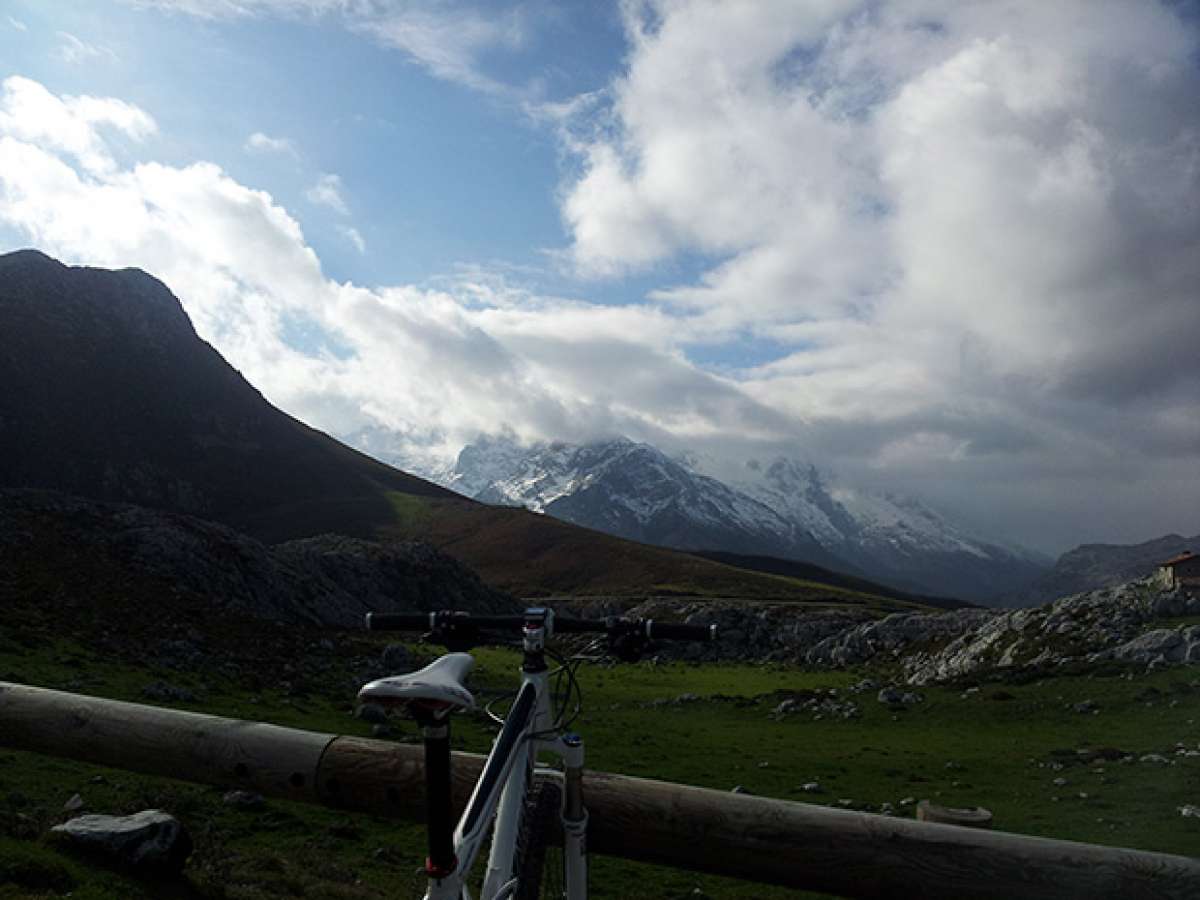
(894,538)
(634,491)
(782,508)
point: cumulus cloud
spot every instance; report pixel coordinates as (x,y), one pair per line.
(972,225)
(328,192)
(75,126)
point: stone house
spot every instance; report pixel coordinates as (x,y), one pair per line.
(1183,569)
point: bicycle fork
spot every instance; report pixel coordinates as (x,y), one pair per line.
(574,817)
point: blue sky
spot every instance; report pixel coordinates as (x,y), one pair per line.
(436,174)
(948,248)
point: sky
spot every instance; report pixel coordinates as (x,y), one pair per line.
(942,247)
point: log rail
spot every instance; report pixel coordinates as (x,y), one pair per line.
(780,842)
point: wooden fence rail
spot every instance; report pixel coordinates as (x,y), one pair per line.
(772,841)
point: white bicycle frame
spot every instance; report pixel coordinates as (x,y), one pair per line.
(499,796)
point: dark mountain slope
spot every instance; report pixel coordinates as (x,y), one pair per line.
(110,394)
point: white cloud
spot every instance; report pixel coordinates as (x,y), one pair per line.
(17,24)
(996,186)
(261,143)
(354,236)
(74,51)
(70,125)
(970,225)
(328,192)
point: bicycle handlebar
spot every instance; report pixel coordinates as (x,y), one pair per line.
(648,628)
(398,621)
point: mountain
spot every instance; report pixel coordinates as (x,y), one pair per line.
(1090,567)
(633,491)
(893,538)
(110,395)
(783,508)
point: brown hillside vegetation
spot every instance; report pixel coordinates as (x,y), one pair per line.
(532,555)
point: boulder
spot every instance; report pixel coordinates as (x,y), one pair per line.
(148,840)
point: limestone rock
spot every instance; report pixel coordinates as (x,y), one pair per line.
(151,839)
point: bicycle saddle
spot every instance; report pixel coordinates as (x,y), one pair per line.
(439,683)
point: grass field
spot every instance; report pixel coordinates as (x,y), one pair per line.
(1001,747)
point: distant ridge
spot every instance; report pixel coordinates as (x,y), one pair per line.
(1090,567)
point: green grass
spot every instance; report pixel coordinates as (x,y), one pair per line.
(412,513)
(1004,744)
(1175,622)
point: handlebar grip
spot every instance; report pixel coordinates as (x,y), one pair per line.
(399,621)
(678,631)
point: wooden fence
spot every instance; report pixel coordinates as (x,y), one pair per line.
(798,845)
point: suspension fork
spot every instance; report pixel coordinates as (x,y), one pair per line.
(574,817)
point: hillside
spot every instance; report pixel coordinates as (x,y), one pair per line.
(111,395)
(809,572)
(528,554)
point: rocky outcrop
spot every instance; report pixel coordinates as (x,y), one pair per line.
(747,631)
(1112,624)
(1161,646)
(326,580)
(892,637)
(1088,627)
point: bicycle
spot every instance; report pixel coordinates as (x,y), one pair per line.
(507,800)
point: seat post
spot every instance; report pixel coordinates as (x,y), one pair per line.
(435,731)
